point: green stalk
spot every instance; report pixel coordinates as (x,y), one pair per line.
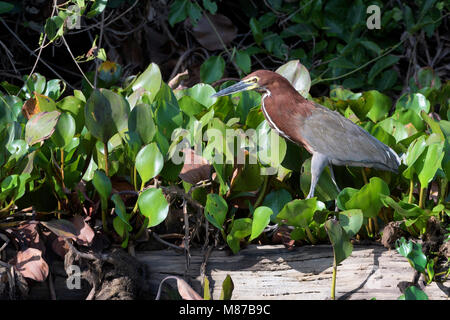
(310,235)
(136,205)
(411,187)
(421,197)
(333,282)
(364,176)
(106,159)
(262,192)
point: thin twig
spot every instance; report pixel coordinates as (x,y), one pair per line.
(158,238)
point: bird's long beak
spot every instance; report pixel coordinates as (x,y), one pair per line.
(238,87)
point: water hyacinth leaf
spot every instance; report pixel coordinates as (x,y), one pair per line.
(298,213)
(434,125)
(413,293)
(153,205)
(167,116)
(378,103)
(240,229)
(351,221)
(149,162)
(415,102)
(64,130)
(190,106)
(212,69)
(106,113)
(413,252)
(368,198)
(243,61)
(120,209)
(150,80)
(41,126)
(261,218)
(394,128)
(102,184)
(404,209)
(413,153)
(342,247)
(227,288)
(297,75)
(216,209)
(431,163)
(44,103)
(276,200)
(141,122)
(202,93)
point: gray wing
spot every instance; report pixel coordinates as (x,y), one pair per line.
(345,143)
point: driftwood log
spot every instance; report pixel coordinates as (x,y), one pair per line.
(273,272)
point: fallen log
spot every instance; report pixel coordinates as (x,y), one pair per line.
(273,272)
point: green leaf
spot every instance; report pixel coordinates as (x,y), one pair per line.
(415,102)
(413,293)
(216,209)
(194,12)
(54,27)
(372,46)
(297,75)
(202,93)
(190,106)
(261,218)
(150,80)
(227,288)
(64,130)
(153,205)
(368,198)
(40,127)
(243,61)
(120,209)
(351,221)
(106,113)
(427,166)
(380,65)
(256,31)
(413,252)
(141,122)
(97,8)
(276,200)
(5,7)
(298,213)
(102,184)
(240,229)
(167,116)
(212,69)
(178,11)
(149,162)
(342,247)
(211,6)
(378,104)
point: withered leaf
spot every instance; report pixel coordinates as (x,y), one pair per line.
(31,265)
(195,168)
(207,36)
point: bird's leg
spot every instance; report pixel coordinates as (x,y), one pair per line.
(318,162)
(335,184)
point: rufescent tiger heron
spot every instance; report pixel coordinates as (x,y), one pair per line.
(331,138)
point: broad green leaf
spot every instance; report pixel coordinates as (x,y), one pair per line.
(153,205)
(342,247)
(380,65)
(178,11)
(54,27)
(261,218)
(243,61)
(190,106)
(64,130)
(416,102)
(297,75)
(211,6)
(202,93)
(141,122)
(378,104)
(150,80)
(167,116)
(351,221)
(413,293)
(120,209)
(427,168)
(368,198)
(256,31)
(106,113)
(413,252)
(216,209)
(97,8)
(298,213)
(5,7)
(149,162)
(102,184)
(276,200)
(394,128)
(240,229)
(41,126)
(227,288)
(212,69)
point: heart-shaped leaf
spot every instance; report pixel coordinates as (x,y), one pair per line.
(40,127)
(154,206)
(141,121)
(150,80)
(149,162)
(297,75)
(102,184)
(342,247)
(64,130)
(216,209)
(261,218)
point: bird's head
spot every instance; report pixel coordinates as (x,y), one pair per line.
(260,80)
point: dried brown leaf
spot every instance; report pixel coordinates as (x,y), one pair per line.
(208,37)
(195,168)
(85,233)
(31,265)
(184,289)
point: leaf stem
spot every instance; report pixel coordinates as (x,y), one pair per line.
(262,192)
(310,235)
(422,189)
(105,148)
(333,282)
(411,188)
